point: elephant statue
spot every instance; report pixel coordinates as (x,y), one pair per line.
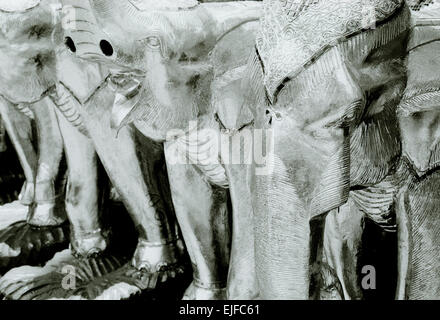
(327,79)
(83,96)
(26,76)
(175,98)
(177,68)
(419,198)
(410,208)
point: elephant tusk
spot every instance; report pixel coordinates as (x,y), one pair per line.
(126,99)
(122,108)
(119,114)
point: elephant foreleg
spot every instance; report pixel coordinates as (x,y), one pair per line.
(157,249)
(342,244)
(82,190)
(50,151)
(202,214)
(25,244)
(19,129)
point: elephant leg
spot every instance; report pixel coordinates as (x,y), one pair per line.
(22,243)
(82,194)
(342,244)
(202,214)
(50,153)
(19,129)
(418,240)
(242,282)
(158,248)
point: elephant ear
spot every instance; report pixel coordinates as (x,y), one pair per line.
(423,90)
(374,146)
(18,5)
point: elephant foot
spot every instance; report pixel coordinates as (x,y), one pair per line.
(89,244)
(326,284)
(153,270)
(45,211)
(24,244)
(155,263)
(27,193)
(70,277)
(45,215)
(197,291)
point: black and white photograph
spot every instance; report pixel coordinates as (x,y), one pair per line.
(177,151)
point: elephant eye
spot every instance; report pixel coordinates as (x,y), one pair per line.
(153,42)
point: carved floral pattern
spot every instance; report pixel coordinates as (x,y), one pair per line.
(293,31)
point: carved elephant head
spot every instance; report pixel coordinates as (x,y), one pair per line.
(165,62)
(165,48)
(329,84)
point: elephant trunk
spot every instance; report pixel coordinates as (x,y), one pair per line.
(310,176)
(69,107)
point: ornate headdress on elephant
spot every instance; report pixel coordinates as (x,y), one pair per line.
(309,29)
(302,42)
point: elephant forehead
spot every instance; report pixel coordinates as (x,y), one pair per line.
(121,26)
(26,80)
(122,20)
(124,23)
